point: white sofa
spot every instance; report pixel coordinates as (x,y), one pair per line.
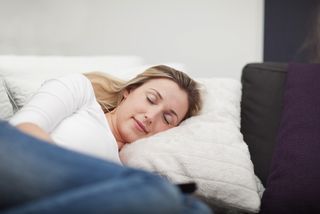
(208,149)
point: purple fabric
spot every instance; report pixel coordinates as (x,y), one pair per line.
(293,185)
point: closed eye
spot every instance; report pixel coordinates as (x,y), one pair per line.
(168,119)
(151,99)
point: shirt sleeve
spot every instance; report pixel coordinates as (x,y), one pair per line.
(55,100)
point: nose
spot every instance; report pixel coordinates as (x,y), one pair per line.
(147,119)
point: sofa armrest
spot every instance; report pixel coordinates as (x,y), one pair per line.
(261,104)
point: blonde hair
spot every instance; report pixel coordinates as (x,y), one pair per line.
(109,90)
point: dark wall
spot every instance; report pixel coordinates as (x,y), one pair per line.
(287,24)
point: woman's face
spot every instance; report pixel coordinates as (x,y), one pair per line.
(157,105)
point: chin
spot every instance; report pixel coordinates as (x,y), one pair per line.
(137,138)
(131,137)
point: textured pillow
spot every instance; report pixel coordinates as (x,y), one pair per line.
(293,185)
(5,104)
(208,149)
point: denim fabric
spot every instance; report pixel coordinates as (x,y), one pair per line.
(38,177)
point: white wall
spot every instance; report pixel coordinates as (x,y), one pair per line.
(211,37)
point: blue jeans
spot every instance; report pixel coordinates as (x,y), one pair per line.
(38,177)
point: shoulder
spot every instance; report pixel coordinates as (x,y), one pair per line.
(75,82)
(72,79)
(75,87)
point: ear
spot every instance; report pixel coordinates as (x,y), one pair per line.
(126,93)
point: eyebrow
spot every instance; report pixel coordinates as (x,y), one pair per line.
(160,96)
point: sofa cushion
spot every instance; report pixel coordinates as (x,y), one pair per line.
(262,91)
(24,74)
(293,185)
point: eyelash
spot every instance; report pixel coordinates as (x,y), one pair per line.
(153,103)
(165,119)
(150,101)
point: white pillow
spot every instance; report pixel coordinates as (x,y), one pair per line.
(24,74)
(208,149)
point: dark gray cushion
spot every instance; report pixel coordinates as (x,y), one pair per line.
(261,106)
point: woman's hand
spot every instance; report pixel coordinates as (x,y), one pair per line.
(35,131)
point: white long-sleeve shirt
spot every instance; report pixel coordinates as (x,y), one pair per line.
(67,109)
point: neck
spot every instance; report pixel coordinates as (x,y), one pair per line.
(111,118)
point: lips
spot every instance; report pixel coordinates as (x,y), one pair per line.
(140,126)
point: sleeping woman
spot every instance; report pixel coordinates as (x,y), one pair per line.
(94,115)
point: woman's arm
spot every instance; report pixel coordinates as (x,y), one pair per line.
(56,100)
(35,131)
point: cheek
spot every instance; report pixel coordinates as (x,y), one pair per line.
(132,105)
(159,127)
